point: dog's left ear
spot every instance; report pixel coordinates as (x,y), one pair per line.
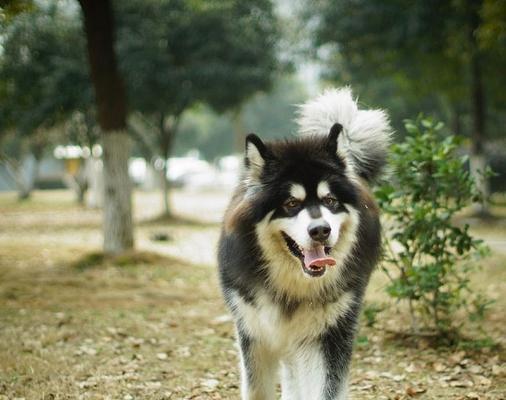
(255,157)
(333,137)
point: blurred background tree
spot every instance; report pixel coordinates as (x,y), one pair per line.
(267,113)
(440,57)
(43,79)
(176,54)
(173,55)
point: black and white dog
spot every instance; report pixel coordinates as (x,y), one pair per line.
(299,241)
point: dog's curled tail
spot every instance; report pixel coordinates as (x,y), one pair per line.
(366,134)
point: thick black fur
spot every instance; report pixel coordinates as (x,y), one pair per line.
(307,161)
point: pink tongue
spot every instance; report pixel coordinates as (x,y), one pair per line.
(316,257)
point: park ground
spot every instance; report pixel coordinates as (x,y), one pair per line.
(152,325)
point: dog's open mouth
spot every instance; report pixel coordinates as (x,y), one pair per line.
(315,260)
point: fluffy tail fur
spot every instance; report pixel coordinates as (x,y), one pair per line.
(366,133)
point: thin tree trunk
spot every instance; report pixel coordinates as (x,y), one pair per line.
(111,111)
(166,148)
(456,121)
(81,193)
(26,178)
(165,188)
(414,322)
(477,159)
(95,178)
(77,183)
(478,104)
(81,184)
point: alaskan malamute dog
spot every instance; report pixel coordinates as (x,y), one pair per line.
(299,241)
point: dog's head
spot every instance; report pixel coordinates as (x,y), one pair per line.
(305,201)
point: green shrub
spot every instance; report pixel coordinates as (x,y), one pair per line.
(370,313)
(429,257)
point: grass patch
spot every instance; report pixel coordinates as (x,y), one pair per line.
(127,259)
(479,344)
(177,220)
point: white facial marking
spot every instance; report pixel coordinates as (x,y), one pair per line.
(298,191)
(335,221)
(296,227)
(322,189)
(284,270)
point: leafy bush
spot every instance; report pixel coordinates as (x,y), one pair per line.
(370,313)
(430,254)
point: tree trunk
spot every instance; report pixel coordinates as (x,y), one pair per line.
(166,135)
(111,111)
(95,177)
(26,176)
(80,194)
(81,185)
(77,183)
(478,162)
(15,171)
(456,121)
(165,188)
(477,159)
(117,193)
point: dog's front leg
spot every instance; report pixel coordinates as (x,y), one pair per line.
(336,347)
(290,380)
(259,370)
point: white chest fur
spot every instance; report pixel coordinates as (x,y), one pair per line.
(266,322)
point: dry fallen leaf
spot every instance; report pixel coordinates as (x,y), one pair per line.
(475,369)
(413,391)
(411,368)
(438,367)
(371,374)
(497,370)
(483,381)
(457,357)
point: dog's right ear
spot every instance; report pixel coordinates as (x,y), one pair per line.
(334,132)
(255,157)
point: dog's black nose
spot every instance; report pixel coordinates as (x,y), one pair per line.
(319,230)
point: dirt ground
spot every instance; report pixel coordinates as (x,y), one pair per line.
(152,325)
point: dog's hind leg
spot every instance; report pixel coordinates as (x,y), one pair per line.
(259,370)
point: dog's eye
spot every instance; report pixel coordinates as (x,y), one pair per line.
(329,201)
(291,203)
